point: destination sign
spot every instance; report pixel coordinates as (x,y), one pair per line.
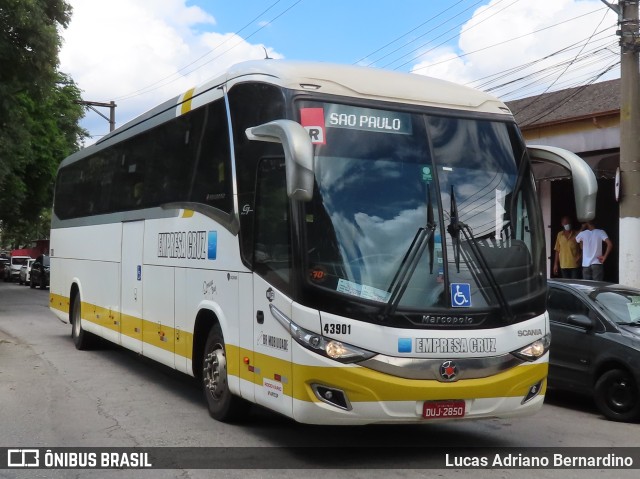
(367,119)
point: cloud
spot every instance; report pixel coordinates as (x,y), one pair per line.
(116,49)
(489,26)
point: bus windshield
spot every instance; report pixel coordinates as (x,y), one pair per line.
(377,174)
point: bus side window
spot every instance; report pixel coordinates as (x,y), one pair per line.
(252,104)
(272,242)
(211,182)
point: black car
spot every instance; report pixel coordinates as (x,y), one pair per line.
(595,344)
(40,272)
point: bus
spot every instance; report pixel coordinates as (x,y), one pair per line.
(338,244)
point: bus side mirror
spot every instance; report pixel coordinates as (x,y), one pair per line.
(585,186)
(298,154)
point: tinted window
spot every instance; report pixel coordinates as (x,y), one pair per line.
(185,159)
(252,104)
(562,304)
(272,253)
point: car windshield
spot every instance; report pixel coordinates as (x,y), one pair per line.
(19,261)
(623,306)
(379,173)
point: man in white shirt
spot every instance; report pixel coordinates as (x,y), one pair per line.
(591,239)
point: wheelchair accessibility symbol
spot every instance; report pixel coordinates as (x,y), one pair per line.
(461,295)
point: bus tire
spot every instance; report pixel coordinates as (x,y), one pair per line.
(82,339)
(617,396)
(223,405)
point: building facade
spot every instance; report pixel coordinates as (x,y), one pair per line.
(586,121)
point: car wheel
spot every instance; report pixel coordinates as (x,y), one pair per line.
(223,405)
(617,396)
(81,338)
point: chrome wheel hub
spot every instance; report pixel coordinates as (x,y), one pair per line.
(215,372)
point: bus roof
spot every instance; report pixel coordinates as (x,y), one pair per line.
(334,79)
(370,83)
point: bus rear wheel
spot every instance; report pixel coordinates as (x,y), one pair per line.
(222,404)
(81,338)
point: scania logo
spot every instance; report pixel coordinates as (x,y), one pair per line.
(449,371)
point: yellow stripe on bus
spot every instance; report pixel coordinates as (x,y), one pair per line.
(363,384)
(187,213)
(186,101)
(61,303)
(359,383)
(150,332)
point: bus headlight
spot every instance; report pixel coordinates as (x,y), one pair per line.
(337,350)
(535,350)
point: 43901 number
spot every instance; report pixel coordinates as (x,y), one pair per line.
(334,328)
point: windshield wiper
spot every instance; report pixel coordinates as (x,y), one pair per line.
(630,323)
(400,281)
(454,228)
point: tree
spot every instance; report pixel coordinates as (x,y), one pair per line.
(39,110)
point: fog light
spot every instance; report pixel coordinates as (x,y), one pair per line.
(533,392)
(333,396)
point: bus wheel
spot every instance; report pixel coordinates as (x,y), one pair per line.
(223,405)
(617,396)
(81,338)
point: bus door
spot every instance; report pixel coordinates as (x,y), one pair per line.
(272,275)
(131,285)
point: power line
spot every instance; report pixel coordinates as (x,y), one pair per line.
(550,68)
(578,54)
(407,33)
(569,97)
(568,64)
(217,56)
(250,22)
(462,55)
(520,92)
(518,68)
(414,29)
(450,38)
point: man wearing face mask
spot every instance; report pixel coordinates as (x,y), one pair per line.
(567,259)
(592,257)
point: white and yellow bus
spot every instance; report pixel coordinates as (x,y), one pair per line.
(338,244)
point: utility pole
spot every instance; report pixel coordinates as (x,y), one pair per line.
(629,195)
(112,111)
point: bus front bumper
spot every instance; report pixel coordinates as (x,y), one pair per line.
(374,397)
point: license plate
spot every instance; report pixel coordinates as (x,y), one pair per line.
(443,409)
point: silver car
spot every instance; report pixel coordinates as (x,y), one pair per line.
(25,272)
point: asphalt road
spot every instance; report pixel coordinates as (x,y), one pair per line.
(52,395)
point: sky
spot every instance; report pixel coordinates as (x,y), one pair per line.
(140,53)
